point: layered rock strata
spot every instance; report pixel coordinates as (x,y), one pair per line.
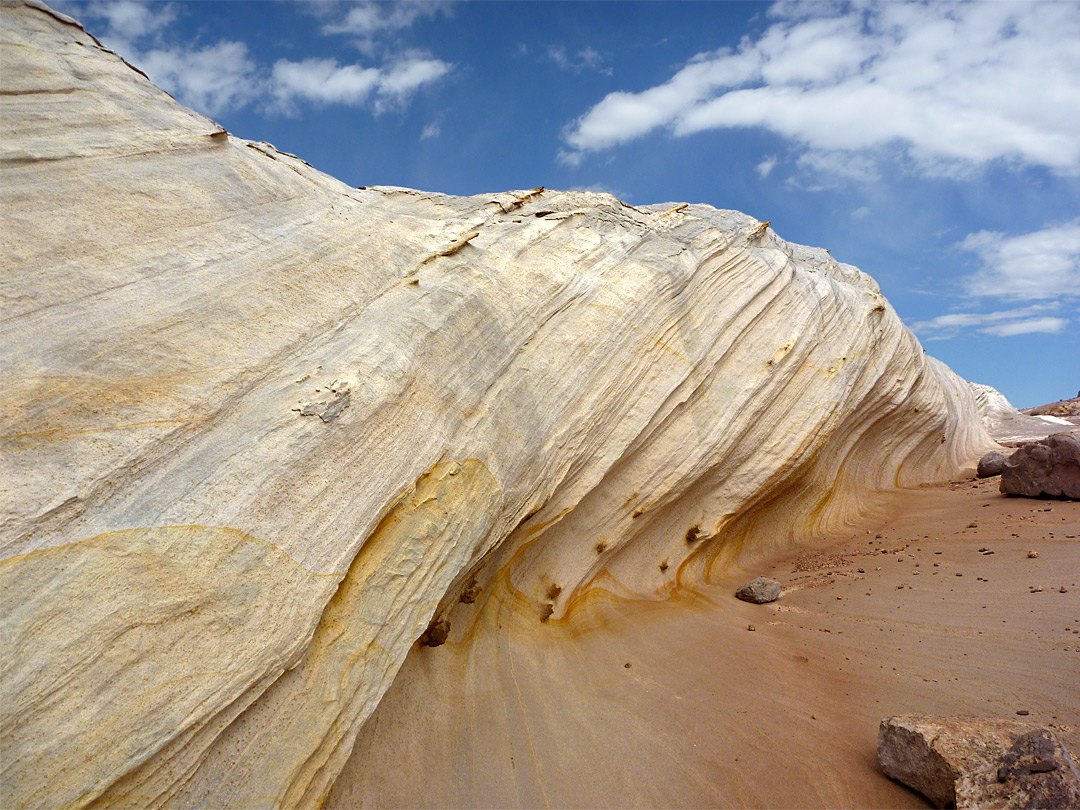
(262,429)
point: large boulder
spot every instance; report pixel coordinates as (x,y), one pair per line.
(970,762)
(1047,467)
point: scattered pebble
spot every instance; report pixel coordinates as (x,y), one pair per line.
(1023,712)
(627,665)
(1035,589)
(861,570)
(973,525)
(749,627)
(1032,555)
(1063,589)
(959,574)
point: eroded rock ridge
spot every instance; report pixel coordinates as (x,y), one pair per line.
(261,428)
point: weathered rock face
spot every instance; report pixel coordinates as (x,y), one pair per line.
(261,428)
(1047,467)
(970,762)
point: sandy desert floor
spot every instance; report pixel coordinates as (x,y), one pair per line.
(931,606)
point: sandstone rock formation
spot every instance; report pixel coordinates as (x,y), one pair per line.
(262,430)
(759,591)
(1048,467)
(975,763)
(1012,427)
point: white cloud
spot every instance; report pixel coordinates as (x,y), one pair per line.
(766,166)
(324,81)
(128,19)
(1004,323)
(949,83)
(432,130)
(212,79)
(224,76)
(1043,264)
(405,77)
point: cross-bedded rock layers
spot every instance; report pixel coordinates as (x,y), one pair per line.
(262,428)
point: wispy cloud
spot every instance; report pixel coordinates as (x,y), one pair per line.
(950,84)
(587,58)
(1043,264)
(766,166)
(1004,323)
(1027,326)
(371,22)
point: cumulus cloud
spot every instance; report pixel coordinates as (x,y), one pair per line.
(324,81)
(128,20)
(1043,264)
(946,83)
(1004,323)
(224,76)
(212,79)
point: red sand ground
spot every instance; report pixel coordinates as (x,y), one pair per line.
(679,704)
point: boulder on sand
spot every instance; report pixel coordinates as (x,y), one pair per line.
(973,762)
(1050,466)
(991,464)
(759,591)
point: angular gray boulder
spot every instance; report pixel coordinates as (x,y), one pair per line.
(1050,466)
(759,591)
(991,464)
(973,762)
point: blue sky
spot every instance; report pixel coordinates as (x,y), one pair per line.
(936,147)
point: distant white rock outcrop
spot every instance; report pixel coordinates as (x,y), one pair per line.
(262,428)
(1006,424)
